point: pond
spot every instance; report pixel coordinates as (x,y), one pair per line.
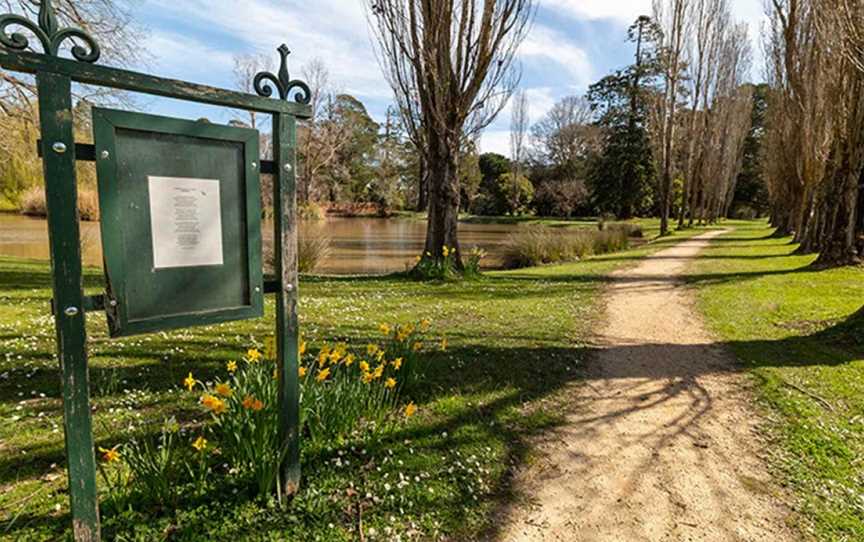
(358,245)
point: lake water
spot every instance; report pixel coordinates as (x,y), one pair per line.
(358,245)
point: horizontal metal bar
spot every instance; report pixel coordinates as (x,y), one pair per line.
(86,152)
(92,74)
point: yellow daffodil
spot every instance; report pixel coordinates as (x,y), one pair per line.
(231,367)
(379,371)
(349,360)
(445,251)
(323,355)
(302,372)
(397,363)
(379,357)
(367,377)
(335,356)
(444,344)
(322,374)
(200,444)
(372,349)
(253,355)
(364,366)
(189,382)
(384,329)
(390,383)
(275,374)
(223,389)
(410,410)
(214,404)
(302,349)
(417,259)
(424,324)
(417,346)
(110,455)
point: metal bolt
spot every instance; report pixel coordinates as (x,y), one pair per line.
(113,302)
(105,155)
(71,311)
(289,287)
(258,289)
(288,167)
(59,147)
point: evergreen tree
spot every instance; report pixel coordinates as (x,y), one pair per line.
(622,176)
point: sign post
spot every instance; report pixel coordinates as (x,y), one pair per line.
(191,245)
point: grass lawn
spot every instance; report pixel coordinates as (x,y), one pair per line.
(515,340)
(796,330)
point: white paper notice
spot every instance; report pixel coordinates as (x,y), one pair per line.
(186,222)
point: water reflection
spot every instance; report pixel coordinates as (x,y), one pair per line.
(358,245)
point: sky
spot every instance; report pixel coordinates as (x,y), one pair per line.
(572,43)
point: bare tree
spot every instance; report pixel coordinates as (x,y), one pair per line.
(564,135)
(246,66)
(673,21)
(451,66)
(518,130)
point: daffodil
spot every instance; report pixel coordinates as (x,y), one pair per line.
(445,251)
(189,382)
(424,324)
(110,455)
(251,403)
(364,366)
(323,355)
(372,349)
(253,355)
(214,404)
(444,344)
(367,377)
(302,349)
(231,367)
(410,409)
(302,372)
(384,329)
(397,363)
(417,346)
(349,360)
(200,444)
(223,389)
(379,372)
(390,383)
(322,374)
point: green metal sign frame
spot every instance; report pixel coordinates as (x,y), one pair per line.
(184,296)
(54,77)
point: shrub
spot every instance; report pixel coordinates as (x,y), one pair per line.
(311,251)
(33,203)
(539,245)
(310,211)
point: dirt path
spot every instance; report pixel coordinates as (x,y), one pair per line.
(661,444)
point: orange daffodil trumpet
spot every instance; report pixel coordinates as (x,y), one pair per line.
(110,455)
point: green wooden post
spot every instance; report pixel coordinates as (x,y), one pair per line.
(287,334)
(58,151)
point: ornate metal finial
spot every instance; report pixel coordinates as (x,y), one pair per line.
(49,34)
(264,82)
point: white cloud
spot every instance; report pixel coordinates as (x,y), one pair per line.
(543,42)
(496,141)
(624,11)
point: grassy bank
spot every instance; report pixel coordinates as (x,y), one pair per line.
(514,341)
(796,330)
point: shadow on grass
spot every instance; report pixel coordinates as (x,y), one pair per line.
(515,379)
